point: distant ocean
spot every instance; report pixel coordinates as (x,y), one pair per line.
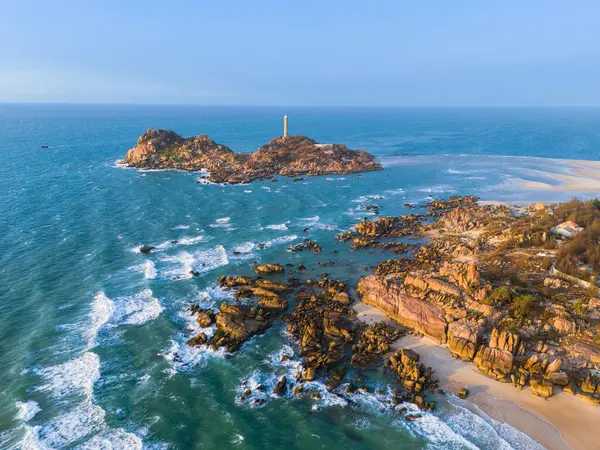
(90,328)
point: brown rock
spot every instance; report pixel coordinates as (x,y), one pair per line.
(267,269)
(542,389)
(463,338)
(385,294)
(289,156)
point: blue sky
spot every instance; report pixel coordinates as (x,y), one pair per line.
(327,52)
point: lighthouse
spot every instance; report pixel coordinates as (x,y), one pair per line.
(285,126)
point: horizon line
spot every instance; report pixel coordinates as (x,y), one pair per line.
(292,105)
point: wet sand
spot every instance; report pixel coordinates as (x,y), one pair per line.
(584,177)
(562,422)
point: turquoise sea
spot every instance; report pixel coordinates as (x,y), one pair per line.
(92,332)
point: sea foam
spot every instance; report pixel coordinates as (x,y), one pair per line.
(27,410)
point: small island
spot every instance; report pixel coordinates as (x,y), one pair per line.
(290,156)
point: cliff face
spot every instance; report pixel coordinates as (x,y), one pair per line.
(291,156)
(386,294)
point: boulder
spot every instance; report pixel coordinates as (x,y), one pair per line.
(559,378)
(268,269)
(506,340)
(281,387)
(205,318)
(541,388)
(587,352)
(494,362)
(463,338)
(564,326)
(386,294)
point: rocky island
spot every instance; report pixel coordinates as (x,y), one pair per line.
(289,156)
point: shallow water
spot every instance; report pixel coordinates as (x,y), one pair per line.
(90,327)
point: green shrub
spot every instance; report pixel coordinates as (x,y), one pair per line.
(523,306)
(498,296)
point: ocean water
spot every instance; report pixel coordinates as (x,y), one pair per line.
(92,332)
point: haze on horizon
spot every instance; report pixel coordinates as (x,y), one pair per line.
(319,53)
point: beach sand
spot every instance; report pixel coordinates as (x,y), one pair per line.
(562,422)
(584,177)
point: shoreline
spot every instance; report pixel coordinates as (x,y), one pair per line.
(583,177)
(559,423)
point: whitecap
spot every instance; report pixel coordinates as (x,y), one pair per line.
(245,247)
(114,439)
(223,222)
(202,261)
(181,227)
(280,240)
(397,191)
(27,410)
(77,375)
(247,191)
(190,240)
(100,312)
(237,439)
(136,309)
(366,198)
(281,226)
(148,268)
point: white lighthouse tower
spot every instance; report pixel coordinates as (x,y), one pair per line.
(285,126)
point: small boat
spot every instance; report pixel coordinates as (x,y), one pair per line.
(44,146)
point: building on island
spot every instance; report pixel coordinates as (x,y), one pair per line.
(567,229)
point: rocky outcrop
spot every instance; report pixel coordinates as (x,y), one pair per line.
(463,338)
(267,269)
(290,156)
(496,359)
(386,294)
(541,388)
(236,324)
(373,341)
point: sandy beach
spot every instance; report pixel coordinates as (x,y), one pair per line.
(584,177)
(562,422)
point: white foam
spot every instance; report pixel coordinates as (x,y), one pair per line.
(136,309)
(76,375)
(237,439)
(148,268)
(281,226)
(439,189)
(470,421)
(101,310)
(181,227)
(27,410)
(397,191)
(335,179)
(246,247)
(181,356)
(190,240)
(247,191)
(76,424)
(366,198)
(202,261)
(185,240)
(280,240)
(114,439)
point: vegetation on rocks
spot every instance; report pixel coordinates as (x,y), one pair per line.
(290,156)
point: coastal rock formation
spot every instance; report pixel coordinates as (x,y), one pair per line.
(237,323)
(290,156)
(387,294)
(463,338)
(267,269)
